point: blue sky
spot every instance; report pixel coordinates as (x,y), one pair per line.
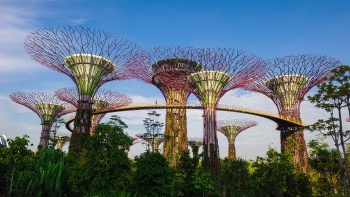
(268,29)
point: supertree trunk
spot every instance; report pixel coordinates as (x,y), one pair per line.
(209,85)
(210,141)
(45,135)
(293,142)
(82,124)
(175,134)
(83,115)
(232,150)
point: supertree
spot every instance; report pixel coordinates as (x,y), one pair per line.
(153,141)
(60,140)
(224,70)
(89,57)
(231,128)
(135,140)
(103,100)
(286,82)
(168,68)
(195,142)
(47,106)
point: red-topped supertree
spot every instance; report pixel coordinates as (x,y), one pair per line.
(286,82)
(153,141)
(223,70)
(168,69)
(103,100)
(47,106)
(231,128)
(89,57)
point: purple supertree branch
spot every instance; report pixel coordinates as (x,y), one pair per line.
(31,99)
(50,47)
(308,71)
(231,128)
(48,107)
(103,100)
(239,124)
(286,82)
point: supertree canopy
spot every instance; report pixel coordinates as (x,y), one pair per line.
(168,68)
(223,70)
(286,82)
(153,141)
(231,128)
(103,100)
(89,57)
(60,140)
(47,106)
(192,142)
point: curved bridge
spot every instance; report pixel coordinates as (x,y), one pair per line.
(281,121)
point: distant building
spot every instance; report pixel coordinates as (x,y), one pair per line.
(3,141)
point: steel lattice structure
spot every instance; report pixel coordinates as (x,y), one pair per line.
(152,140)
(231,128)
(60,139)
(224,70)
(286,82)
(89,57)
(47,106)
(135,140)
(168,69)
(103,100)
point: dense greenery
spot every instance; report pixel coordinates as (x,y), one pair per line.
(106,171)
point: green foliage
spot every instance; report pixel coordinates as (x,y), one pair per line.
(55,126)
(234,177)
(14,160)
(47,177)
(203,181)
(115,120)
(153,176)
(333,96)
(273,175)
(105,167)
(326,172)
(184,177)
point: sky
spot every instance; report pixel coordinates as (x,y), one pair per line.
(266,28)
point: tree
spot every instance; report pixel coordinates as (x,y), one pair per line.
(106,168)
(115,120)
(153,176)
(234,177)
(272,176)
(13,161)
(333,96)
(325,169)
(56,125)
(185,171)
(153,137)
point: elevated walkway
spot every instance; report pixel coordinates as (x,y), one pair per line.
(281,121)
